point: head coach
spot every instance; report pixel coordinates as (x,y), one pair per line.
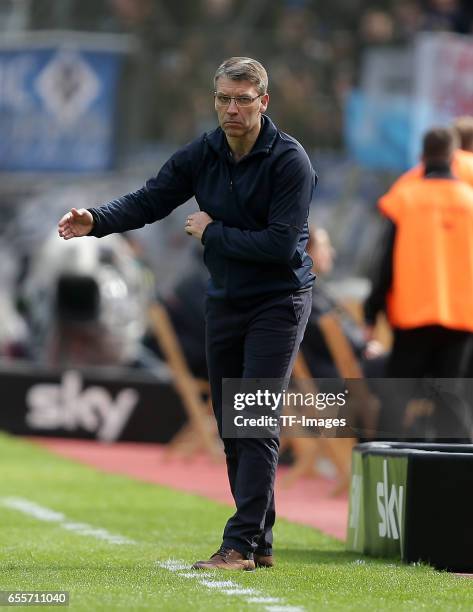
(253,184)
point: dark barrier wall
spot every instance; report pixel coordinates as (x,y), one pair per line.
(413,502)
(98,404)
(440,514)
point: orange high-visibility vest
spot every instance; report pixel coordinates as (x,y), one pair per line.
(433,254)
(462,168)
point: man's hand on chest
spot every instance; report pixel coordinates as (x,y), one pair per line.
(196,224)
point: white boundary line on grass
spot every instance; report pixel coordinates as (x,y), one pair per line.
(51,516)
(227,587)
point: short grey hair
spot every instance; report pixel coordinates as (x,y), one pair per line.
(243,69)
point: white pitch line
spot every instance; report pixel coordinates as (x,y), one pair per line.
(228,587)
(51,516)
(173,565)
(239,591)
(197,574)
(284,609)
(28,507)
(217,584)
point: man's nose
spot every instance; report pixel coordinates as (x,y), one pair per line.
(232,107)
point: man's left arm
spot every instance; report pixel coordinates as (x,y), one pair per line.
(288,211)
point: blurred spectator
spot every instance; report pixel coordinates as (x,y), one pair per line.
(314,348)
(218,10)
(446,15)
(428,294)
(464,128)
(184,304)
(376,27)
(461,164)
(132,12)
(408,19)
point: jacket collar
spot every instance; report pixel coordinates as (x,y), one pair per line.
(438,170)
(263,144)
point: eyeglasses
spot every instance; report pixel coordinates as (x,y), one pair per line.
(241,101)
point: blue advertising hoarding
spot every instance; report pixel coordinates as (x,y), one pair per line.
(377,130)
(58,98)
(405,93)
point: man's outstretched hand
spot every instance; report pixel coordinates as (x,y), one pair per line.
(77,222)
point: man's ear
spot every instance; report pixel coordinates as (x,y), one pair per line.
(264,102)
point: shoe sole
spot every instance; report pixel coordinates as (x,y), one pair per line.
(239,569)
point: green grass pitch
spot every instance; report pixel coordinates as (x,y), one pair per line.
(165,526)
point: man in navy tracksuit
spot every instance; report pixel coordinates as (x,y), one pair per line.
(253,185)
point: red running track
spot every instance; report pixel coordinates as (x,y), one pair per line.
(308,501)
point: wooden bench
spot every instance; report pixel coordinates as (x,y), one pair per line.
(200,432)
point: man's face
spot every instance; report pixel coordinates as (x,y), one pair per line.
(237,121)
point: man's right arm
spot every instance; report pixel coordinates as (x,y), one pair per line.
(172,187)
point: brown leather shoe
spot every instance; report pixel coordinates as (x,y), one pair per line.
(227,559)
(263,560)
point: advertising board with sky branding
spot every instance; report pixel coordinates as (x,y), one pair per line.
(102,404)
(376,523)
(356,512)
(410,501)
(386,481)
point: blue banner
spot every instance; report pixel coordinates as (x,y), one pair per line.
(57,107)
(405,93)
(378,130)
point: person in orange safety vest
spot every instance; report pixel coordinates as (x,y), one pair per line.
(425,276)
(462,161)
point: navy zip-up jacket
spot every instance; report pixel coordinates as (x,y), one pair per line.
(256,243)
